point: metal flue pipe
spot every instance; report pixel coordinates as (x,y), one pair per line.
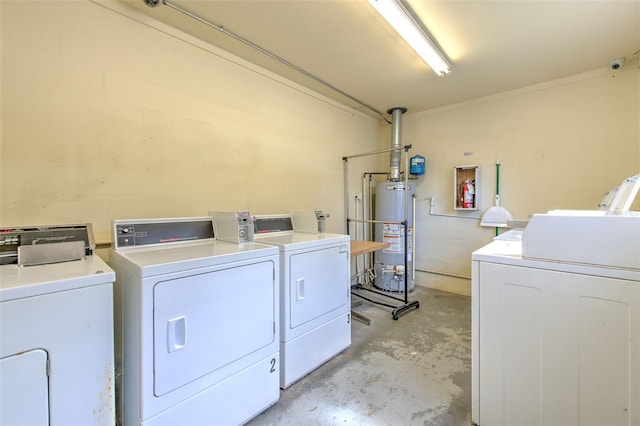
(396,134)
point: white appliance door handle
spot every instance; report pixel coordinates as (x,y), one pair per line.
(176,334)
(300,289)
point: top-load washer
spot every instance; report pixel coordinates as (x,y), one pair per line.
(196,334)
(556,322)
(56,328)
(315,294)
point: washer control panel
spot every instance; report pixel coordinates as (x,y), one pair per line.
(135,233)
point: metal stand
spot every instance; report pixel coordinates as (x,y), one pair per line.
(407,305)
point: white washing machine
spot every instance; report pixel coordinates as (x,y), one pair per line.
(556,322)
(315,295)
(56,328)
(196,334)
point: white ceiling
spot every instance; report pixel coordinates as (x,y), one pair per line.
(494,46)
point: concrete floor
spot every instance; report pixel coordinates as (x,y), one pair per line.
(412,371)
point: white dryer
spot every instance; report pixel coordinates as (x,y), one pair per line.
(196,335)
(315,295)
(56,328)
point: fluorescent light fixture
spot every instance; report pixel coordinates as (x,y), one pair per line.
(403,21)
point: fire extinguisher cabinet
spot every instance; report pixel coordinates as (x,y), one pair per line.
(465,187)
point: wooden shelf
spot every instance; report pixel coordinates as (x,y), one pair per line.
(362,247)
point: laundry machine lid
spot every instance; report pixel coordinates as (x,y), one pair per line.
(301,240)
(18,282)
(151,261)
(279,230)
(589,237)
(160,246)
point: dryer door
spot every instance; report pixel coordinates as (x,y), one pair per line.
(318,283)
(24,389)
(205,322)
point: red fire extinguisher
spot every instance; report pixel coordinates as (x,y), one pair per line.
(467,194)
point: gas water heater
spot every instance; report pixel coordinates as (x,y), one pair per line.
(392,207)
(390,262)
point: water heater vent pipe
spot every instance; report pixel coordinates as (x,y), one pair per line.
(396,135)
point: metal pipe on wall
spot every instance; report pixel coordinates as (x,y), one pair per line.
(458,216)
(345,171)
(154,3)
(407,224)
(413,237)
(355,205)
(380,151)
(367,189)
(365,210)
(366,228)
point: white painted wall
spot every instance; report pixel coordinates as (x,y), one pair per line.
(561,145)
(108,114)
